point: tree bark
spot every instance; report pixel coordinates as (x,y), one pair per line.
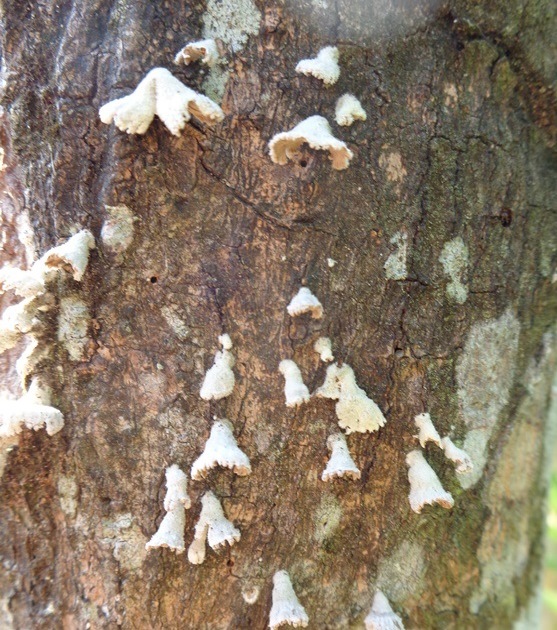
(439,292)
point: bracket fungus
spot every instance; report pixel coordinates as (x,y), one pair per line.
(323,67)
(72,256)
(162,94)
(205,50)
(221,449)
(461,459)
(425,487)
(295,390)
(21,282)
(171,530)
(340,463)
(356,412)
(381,616)
(305,302)
(20,318)
(219,380)
(324,348)
(286,609)
(349,109)
(32,411)
(427,431)
(316,132)
(212,526)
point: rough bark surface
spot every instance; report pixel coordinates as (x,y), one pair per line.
(442,298)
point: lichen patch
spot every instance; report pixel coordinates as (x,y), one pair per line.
(67,493)
(395,265)
(73,326)
(454,259)
(485,373)
(392,164)
(231,21)
(401,575)
(327,518)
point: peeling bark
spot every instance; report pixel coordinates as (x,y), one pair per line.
(443,225)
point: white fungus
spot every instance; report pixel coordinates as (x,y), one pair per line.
(461,459)
(171,530)
(286,609)
(427,431)
(212,526)
(356,412)
(205,50)
(295,390)
(330,388)
(381,615)
(340,463)
(28,360)
(324,67)
(9,338)
(176,489)
(349,109)
(305,302)
(72,256)
(219,380)
(22,283)
(316,131)
(32,411)
(170,533)
(221,449)
(324,348)
(425,487)
(17,320)
(162,94)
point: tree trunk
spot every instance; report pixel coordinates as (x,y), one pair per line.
(433,255)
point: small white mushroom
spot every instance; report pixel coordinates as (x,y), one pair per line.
(162,94)
(461,459)
(170,533)
(286,609)
(212,526)
(356,412)
(22,283)
(219,380)
(295,390)
(340,463)
(381,615)
(32,410)
(72,256)
(425,487)
(324,348)
(221,449)
(171,530)
(176,489)
(205,50)
(324,67)
(427,431)
(349,109)
(316,131)
(305,302)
